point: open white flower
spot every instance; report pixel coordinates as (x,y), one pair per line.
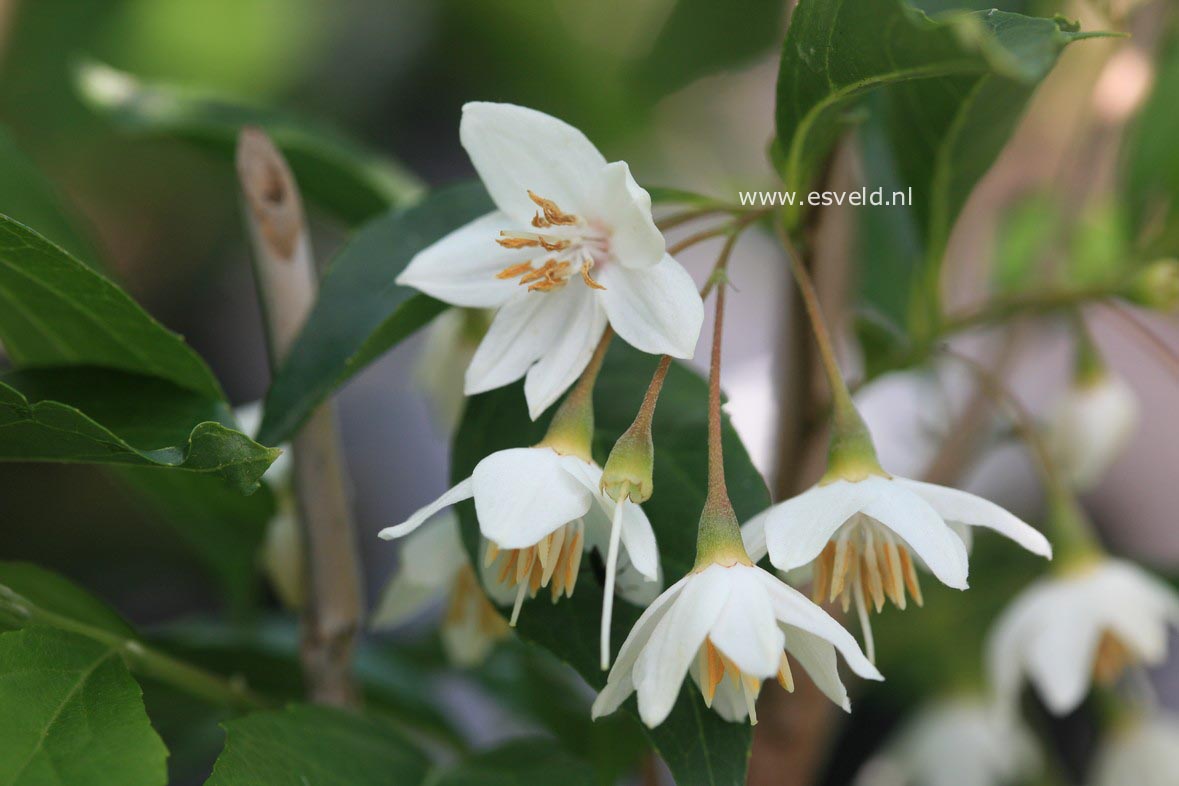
(955,742)
(433,566)
(1144,752)
(538,510)
(727,620)
(1090,622)
(571,247)
(1090,427)
(860,529)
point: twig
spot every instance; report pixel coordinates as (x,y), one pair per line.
(284,269)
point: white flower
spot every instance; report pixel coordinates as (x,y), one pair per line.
(861,532)
(449,345)
(538,510)
(434,565)
(735,620)
(1145,752)
(1090,427)
(571,246)
(956,742)
(1093,621)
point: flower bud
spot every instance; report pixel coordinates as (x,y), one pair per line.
(282,554)
(1155,286)
(631,465)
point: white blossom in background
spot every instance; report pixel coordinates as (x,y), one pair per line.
(1088,623)
(434,566)
(1090,426)
(730,627)
(956,742)
(450,343)
(1142,752)
(571,247)
(538,511)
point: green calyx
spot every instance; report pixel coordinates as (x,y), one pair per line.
(1155,286)
(571,432)
(1074,543)
(631,465)
(718,539)
(851,454)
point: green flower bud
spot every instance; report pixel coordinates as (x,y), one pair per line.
(1155,286)
(631,465)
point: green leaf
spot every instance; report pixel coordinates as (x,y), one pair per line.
(361,313)
(985,64)
(698,746)
(55,311)
(353,183)
(72,715)
(519,763)
(94,415)
(1150,170)
(51,592)
(304,745)
(221,527)
(28,196)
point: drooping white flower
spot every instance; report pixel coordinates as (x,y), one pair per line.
(434,565)
(571,247)
(866,532)
(1092,621)
(1090,427)
(727,620)
(450,343)
(1143,752)
(956,742)
(538,510)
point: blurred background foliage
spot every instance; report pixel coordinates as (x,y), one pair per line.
(683,89)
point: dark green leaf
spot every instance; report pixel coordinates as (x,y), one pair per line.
(93,415)
(304,745)
(72,715)
(1150,172)
(353,183)
(55,311)
(698,746)
(51,592)
(361,313)
(527,762)
(26,195)
(838,50)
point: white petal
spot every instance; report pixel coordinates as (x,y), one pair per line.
(460,268)
(515,149)
(660,669)
(1061,656)
(816,655)
(620,683)
(797,530)
(565,359)
(523,494)
(657,309)
(463,490)
(753,534)
(625,207)
(964,508)
(523,330)
(728,701)
(793,608)
(926,533)
(1091,426)
(747,630)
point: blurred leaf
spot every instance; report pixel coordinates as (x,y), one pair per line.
(72,715)
(360,312)
(223,528)
(55,311)
(984,64)
(519,763)
(29,197)
(1024,238)
(340,176)
(266,656)
(47,590)
(304,745)
(532,682)
(697,744)
(99,416)
(1150,161)
(1099,248)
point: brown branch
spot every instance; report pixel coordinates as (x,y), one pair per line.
(286,277)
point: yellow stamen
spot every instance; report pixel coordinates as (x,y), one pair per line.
(511,271)
(785,676)
(586,267)
(910,576)
(1113,656)
(553,215)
